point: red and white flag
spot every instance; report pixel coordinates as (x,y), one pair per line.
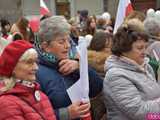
(43,8)
(124,8)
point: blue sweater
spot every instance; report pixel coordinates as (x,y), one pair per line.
(54,84)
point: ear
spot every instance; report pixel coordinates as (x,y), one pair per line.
(45,46)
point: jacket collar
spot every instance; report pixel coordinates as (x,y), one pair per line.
(20,89)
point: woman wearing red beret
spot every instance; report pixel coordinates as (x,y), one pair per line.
(20,96)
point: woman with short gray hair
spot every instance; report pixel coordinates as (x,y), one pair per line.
(152,28)
(53,28)
(58,69)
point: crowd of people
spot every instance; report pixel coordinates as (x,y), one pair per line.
(36,69)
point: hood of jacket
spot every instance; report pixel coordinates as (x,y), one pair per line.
(20,90)
(124,63)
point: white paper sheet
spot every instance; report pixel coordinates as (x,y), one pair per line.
(80,90)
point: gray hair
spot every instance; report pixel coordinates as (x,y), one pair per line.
(52,27)
(152,26)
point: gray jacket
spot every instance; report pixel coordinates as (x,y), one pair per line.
(129,91)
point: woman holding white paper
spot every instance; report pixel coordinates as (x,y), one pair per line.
(58,69)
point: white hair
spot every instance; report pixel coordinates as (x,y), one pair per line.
(106,16)
(52,27)
(28,54)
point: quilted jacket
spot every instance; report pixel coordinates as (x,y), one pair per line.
(21,103)
(130,91)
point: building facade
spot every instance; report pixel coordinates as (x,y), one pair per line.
(12,9)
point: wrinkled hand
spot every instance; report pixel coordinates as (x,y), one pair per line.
(67,66)
(78,110)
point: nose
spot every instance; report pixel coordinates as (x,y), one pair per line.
(35,66)
(67,44)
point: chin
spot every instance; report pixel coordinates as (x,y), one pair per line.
(32,79)
(141,62)
(64,57)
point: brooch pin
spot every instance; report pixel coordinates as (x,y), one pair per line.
(37,95)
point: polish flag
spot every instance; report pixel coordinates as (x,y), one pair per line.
(124,8)
(43,8)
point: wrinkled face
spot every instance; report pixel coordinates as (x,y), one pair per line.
(59,46)
(26,69)
(138,51)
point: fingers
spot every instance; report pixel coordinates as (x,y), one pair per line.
(67,66)
(85,115)
(77,110)
(84,109)
(62,62)
(73,110)
(64,66)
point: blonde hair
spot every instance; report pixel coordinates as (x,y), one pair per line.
(135,23)
(27,54)
(9,83)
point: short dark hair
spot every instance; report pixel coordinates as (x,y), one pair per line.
(99,39)
(125,37)
(4,22)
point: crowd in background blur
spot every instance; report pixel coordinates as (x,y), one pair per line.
(124,68)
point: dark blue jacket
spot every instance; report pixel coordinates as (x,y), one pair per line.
(54,84)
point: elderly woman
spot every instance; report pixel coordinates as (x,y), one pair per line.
(152,28)
(57,71)
(20,96)
(130,89)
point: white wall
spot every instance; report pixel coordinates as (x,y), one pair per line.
(30,7)
(10,9)
(93,6)
(112,7)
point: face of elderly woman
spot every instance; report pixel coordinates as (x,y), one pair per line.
(138,51)
(26,69)
(59,46)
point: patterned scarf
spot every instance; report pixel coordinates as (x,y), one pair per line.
(50,57)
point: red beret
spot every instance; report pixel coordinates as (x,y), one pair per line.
(10,56)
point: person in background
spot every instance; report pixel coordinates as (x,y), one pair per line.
(3,44)
(99,51)
(90,26)
(152,28)
(58,70)
(101,24)
(5,28)
(135,15)
(107,17)
(20,30)
(20,95)
(74,30)
(130,88)
(109,23)
(77,18)
(83,20)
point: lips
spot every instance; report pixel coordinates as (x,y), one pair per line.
(32,72)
